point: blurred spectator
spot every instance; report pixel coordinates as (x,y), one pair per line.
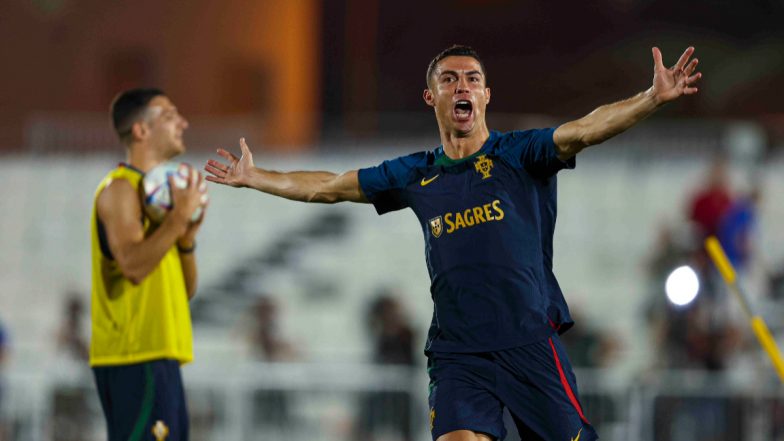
(735,231)
(711,202)
(394,337)
(696,340)
(588,347)
(265,335)
(271,408)
(701,334)
(71,340)
(776,284)
(698,335)
(668,255)
(394,345)
(71,411)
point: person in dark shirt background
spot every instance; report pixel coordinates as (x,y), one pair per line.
(393,338)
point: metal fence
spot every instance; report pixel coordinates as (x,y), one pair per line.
(336,401)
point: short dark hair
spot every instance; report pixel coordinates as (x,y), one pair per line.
(128,106)
(456,50)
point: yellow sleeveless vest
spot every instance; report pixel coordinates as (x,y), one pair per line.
(136,323)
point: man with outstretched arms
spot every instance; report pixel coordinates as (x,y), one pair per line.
(142,278)
(486,202)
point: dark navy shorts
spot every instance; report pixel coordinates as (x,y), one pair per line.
(143,400)
(534,382)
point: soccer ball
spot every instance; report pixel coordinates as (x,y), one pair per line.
(157,194)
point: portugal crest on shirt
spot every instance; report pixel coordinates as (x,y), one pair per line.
(436,226)
(483,165)
(160,431)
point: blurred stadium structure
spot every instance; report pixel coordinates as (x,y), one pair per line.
(322,264)
(336,85)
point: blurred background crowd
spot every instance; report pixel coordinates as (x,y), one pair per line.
(310,321)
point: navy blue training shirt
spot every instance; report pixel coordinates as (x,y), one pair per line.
(488,224)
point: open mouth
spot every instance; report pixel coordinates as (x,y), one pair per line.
(463,110)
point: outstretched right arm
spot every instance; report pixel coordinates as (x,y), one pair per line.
(305,186)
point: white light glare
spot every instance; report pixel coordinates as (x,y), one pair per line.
(682,286)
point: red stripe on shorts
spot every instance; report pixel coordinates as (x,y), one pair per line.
(565,384)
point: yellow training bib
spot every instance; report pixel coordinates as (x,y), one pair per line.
(136,323)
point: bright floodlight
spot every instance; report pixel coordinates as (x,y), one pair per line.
(682,286)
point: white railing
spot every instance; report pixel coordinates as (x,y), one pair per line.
(334,401)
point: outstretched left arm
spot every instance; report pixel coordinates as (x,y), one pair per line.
(611,119)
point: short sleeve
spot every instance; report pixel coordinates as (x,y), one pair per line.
(535,151)
(385,184)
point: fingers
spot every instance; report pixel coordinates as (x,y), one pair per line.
(202,184)
(219,171)
(691,66)
(216,168)
(244,148)
(193,178)
(657,57)
(204,204)
(684,58)
(689,88)
(228,155)
(201,216)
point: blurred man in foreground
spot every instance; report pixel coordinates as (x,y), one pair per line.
(143,277)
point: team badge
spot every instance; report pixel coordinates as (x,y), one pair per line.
(160,431)
(483,165)
(436,226)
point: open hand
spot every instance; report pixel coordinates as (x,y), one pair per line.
(680,79)
(236,173)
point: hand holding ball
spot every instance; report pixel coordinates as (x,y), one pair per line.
(158,200)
